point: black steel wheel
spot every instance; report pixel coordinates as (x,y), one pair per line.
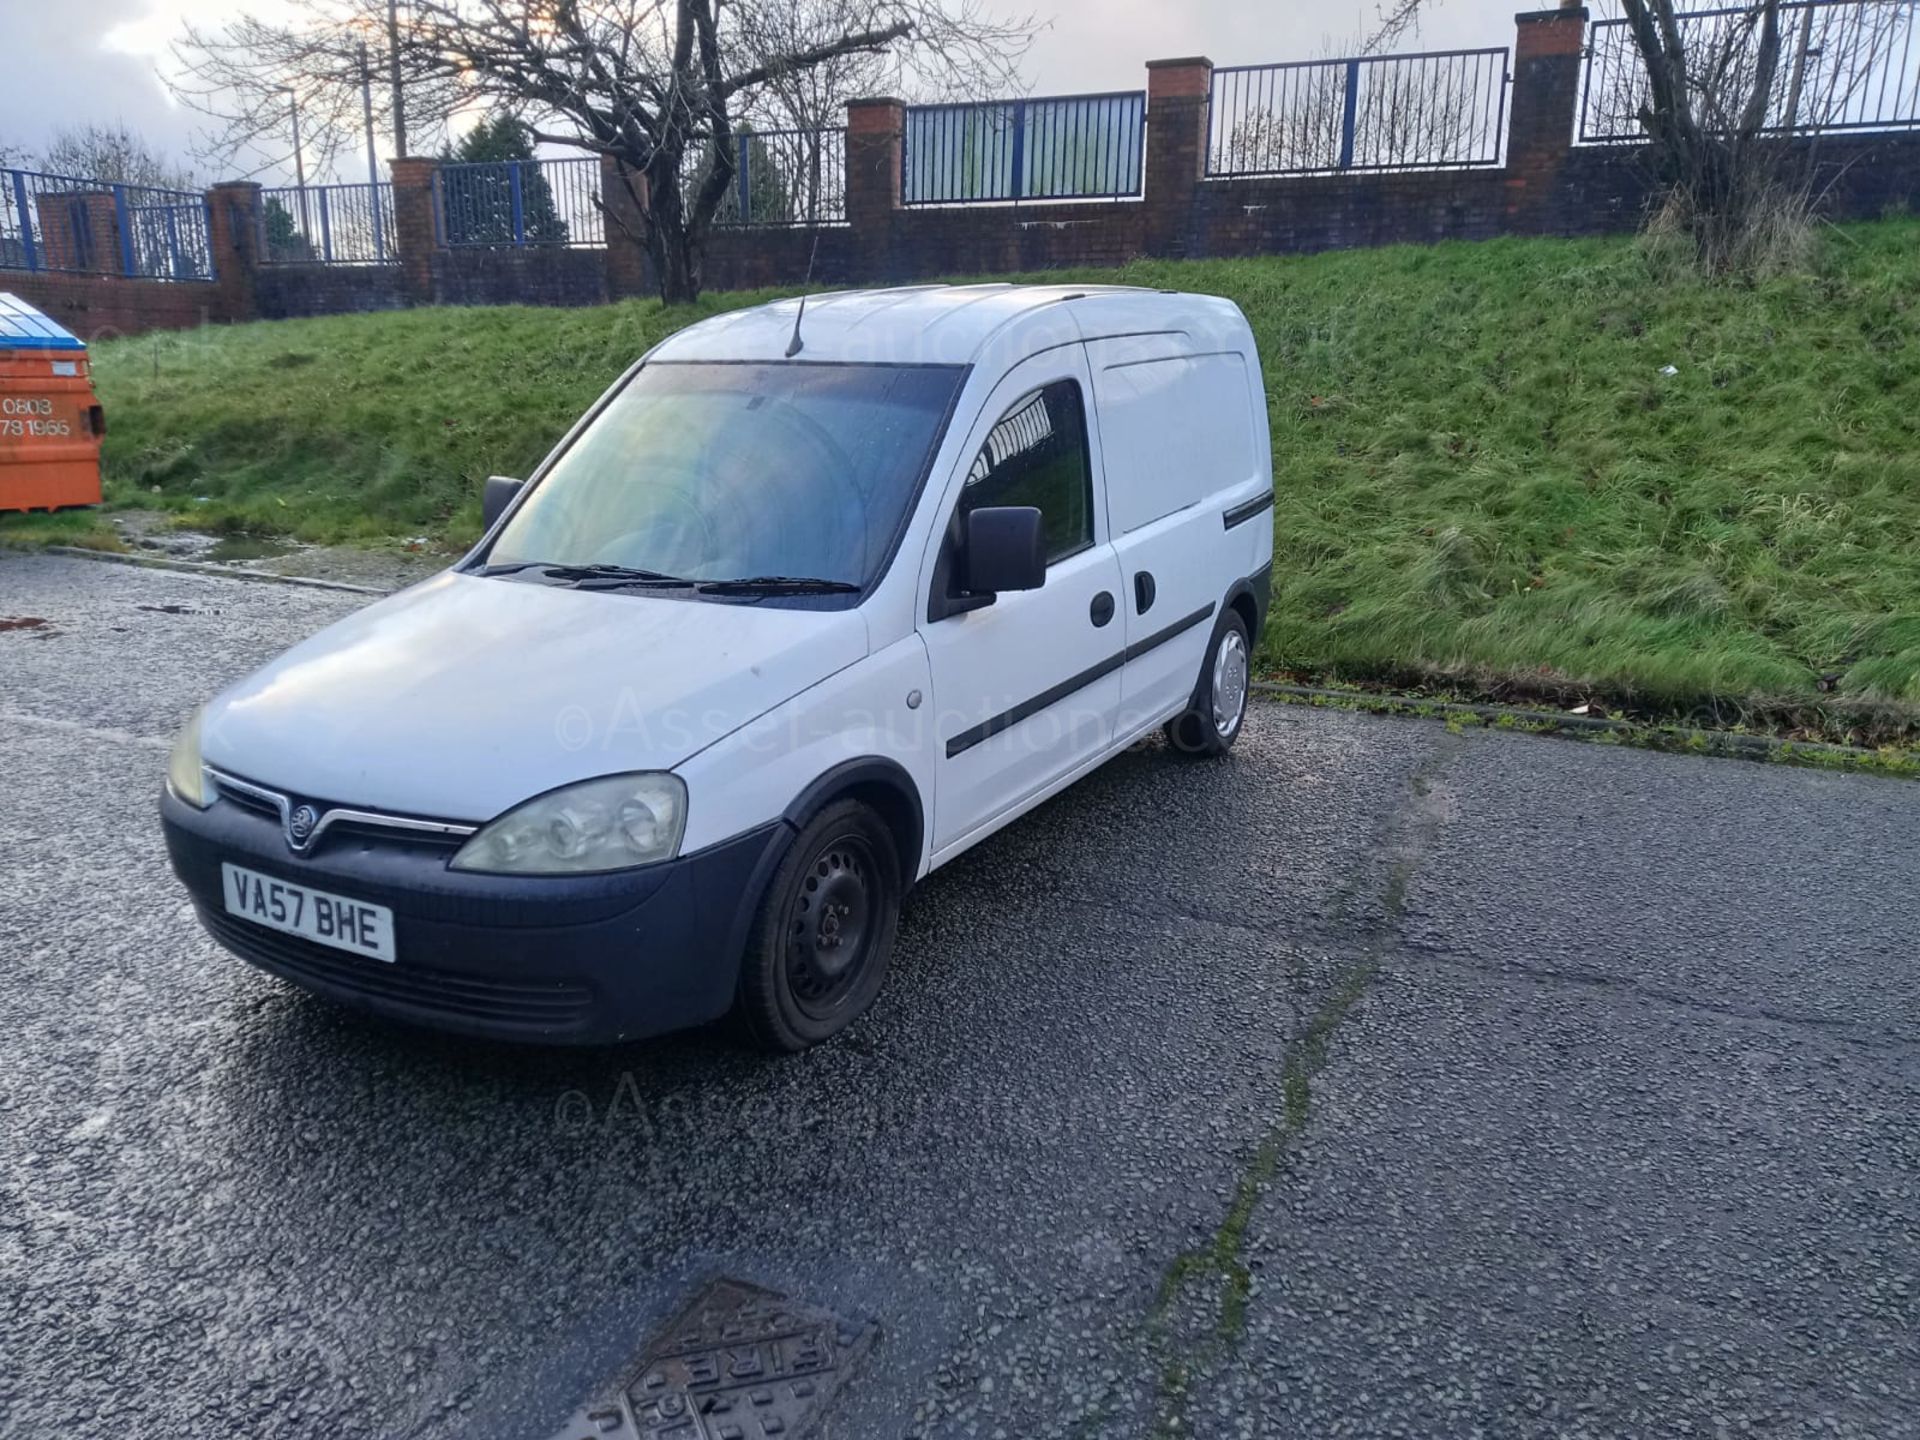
(830,931)
(824,932)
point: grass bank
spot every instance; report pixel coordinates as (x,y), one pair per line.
(1528,468)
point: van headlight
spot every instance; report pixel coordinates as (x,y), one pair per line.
(185,775)
(613,823)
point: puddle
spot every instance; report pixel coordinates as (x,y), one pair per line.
(236,549)
(388,566)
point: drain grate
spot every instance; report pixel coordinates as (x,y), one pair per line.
(738,1363)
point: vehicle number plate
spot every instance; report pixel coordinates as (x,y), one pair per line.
(351,925)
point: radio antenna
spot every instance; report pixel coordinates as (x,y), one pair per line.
(796,345)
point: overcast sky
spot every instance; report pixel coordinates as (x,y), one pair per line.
(74,59)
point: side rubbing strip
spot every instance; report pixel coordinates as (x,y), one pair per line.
(1007,719)
(1160,637)
(1240,514)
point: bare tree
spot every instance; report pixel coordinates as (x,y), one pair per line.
(96,151)
(815,97)
(663,86)
(269,86)
(1298,129)
(1720,97)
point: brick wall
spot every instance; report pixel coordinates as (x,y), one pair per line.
(1546,185)
(287,292)
(1332,212)
(752,259)
(537,275)
(106,307)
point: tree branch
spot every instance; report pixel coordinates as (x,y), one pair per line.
(870,42)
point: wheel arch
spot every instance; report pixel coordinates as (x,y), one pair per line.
(887,788)
(1249,597)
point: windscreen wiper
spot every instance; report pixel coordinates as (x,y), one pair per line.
(514,569)
(594,577)
(776,585)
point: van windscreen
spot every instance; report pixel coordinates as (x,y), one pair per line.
(713,472)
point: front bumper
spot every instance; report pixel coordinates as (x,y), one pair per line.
(559,960)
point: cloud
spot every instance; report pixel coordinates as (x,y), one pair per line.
(60,72)
(1105,44)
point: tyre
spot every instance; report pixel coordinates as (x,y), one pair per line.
(1213,720)
(824,931)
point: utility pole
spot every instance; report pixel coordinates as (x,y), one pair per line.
(373,163)
(366,113)
(393,65)
(299,162)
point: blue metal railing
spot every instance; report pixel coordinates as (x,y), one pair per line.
(1438,110)
(1066,147)
(519,203)
(328,225)
(781,177)
(73,224)
(1844,65)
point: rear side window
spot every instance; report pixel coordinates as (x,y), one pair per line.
(1037,455)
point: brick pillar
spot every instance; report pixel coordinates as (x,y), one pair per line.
(1177,99)
(1546,93)
(627,270)
(876,140)
(416,223)
(233,219)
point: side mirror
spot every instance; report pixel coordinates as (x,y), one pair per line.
(498,496)
(1006,550)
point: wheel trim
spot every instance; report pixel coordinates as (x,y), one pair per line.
(1230,675)
(831,927)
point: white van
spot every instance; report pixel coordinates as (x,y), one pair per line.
(806,605)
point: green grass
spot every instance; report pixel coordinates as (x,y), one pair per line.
(65,527)
(1484,477)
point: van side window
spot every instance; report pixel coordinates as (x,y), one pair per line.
(1037,455)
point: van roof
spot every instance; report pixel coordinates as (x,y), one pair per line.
(923,324)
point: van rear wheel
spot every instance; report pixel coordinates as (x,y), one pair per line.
(1214,718)
(824,932)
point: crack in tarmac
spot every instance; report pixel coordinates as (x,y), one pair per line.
(1845,1032)
(1218,1265)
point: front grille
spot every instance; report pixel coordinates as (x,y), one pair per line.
(387,835)
(248,800)
(341,819)
(551,1009)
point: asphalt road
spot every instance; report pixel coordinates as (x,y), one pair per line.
(1376,1080)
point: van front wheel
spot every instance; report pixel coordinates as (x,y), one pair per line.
(824,932)
(1213,720)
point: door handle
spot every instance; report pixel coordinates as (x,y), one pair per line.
(1101,611)
(1143,592)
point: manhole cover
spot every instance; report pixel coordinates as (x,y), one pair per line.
(738,1363)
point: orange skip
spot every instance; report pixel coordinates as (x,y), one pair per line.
(50,421)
